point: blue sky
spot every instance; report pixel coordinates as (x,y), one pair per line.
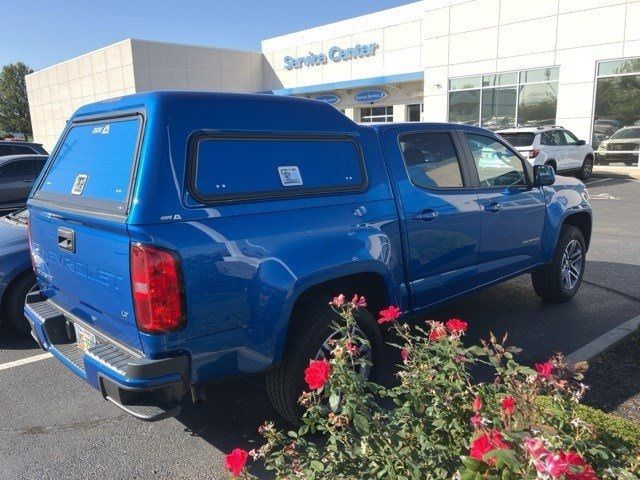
(44,32)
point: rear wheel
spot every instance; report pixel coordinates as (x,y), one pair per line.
(560,280)
(587,168)
(13,301)
(310,339)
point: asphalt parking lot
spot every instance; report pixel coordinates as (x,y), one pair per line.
(54,426)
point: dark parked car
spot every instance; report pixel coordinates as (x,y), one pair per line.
(17,174)
(16,274)
(12,147)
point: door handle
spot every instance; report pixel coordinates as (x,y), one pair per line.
(493,207)
(426,216)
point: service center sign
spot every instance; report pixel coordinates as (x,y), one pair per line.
(335,54)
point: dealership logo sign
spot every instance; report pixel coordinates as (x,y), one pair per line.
(330,99)
(335,54)
(370,96)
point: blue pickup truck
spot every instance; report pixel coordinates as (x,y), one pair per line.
(182,237)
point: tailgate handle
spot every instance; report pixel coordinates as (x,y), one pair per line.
(67,239)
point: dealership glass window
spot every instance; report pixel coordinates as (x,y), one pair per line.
(507,99)
(376,114)
(617,111)
(464,107)
(414,112)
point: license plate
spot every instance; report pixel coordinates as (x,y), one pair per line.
(84,338)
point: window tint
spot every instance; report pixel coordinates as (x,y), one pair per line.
(21,150)
(93,165)
(569,138)
(5,150)
(547,139)
(558,137)
(262,167)
(497,165)
(519,139)
(15,169)
(431,160)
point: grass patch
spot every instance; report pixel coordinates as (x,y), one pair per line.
(613,431)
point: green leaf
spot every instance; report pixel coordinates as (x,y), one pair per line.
(317,466)
(334,402)
(361,423)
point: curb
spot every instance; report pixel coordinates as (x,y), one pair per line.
(603,342)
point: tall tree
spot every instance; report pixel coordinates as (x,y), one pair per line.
(14,107)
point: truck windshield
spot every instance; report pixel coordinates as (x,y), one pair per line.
(92,167)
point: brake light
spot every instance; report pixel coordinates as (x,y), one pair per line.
(533,153)
(156,282)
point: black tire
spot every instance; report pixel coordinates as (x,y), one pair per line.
(311,327)
(548,281)
(13,302)
(586,169)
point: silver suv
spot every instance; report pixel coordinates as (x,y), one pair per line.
(552,145)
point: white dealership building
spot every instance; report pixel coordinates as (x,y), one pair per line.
(495,63)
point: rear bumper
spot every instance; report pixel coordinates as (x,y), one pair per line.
(145,388)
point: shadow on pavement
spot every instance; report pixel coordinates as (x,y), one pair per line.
(11,339)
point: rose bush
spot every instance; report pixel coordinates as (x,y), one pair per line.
(437,422)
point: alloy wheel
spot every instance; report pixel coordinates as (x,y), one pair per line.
(572,264)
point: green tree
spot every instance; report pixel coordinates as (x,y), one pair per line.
(14,107)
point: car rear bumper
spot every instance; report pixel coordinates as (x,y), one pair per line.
(148,389)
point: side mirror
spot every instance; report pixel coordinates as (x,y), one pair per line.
(581,143)
(543,175)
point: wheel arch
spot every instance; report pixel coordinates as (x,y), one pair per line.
(371,283)
(583,222)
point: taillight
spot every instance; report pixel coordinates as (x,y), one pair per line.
(533,153)
(157,289)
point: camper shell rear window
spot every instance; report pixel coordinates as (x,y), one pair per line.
(92,167)
(232,167)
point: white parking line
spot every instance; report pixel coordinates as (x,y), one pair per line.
(24,361)
(597,181)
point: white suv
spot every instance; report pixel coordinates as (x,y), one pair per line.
(553,146)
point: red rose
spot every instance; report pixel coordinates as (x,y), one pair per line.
(545,370)
(404,353)
(486,443)
(535,448)
(438,331)
(235,461)
(577,468)
(508,405)
(317,374)
(477,404)
(456,326)
(389,314)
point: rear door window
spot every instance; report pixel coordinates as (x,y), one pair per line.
(431,160)
(229,167)
(93,165)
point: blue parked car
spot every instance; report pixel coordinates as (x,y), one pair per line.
(183,237)
(16,274)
